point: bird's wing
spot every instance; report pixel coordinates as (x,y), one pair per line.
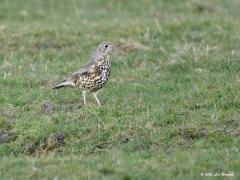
(89,68)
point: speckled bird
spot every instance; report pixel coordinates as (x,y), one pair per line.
(94,75)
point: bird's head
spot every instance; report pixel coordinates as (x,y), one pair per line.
(104,49)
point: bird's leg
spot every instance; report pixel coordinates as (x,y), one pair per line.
(95,96)
(84,97)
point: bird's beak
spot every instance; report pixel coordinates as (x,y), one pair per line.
(116,45)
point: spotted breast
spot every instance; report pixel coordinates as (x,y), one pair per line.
(95,80)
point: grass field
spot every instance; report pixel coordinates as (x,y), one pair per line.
(171,109)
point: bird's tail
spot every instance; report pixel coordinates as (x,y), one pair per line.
(63,84)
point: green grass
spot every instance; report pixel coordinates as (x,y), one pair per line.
(171,109)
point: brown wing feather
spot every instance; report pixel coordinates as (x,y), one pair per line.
(90,67)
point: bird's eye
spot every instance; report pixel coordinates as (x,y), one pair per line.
(106,46)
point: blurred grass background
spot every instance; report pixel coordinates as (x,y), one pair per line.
(171,108)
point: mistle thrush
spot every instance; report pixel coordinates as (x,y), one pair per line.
(94,75)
